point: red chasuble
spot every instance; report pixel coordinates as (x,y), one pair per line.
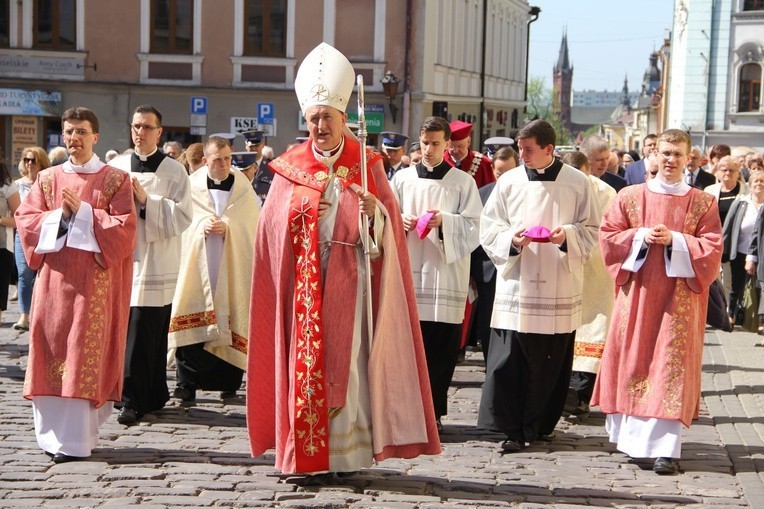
(81,300)
(301,325)
(651,364)
(477,165)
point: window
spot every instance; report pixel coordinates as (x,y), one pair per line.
(750,88)
(55,24)
(265,28)
(172,26)
(5,23)
(753,5)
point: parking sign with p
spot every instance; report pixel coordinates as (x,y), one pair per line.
(199,105)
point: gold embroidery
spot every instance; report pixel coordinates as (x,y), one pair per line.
(112,182)
(584,349)
(45,179)
(193,320)
(309,383)
(342,172)
(632,201)
(321,176)
(89,369)
(56,373)
(640,388)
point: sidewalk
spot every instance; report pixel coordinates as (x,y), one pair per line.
(198,457)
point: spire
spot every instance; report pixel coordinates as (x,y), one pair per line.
(563,61)
(625,93)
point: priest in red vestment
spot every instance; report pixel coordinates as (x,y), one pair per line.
(78,230)
(321,392)
(461,155)
(661,242)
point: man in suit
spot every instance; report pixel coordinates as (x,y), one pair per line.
(635,172)
(694,174)
(597,151)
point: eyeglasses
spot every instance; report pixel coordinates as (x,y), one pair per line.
(29,160)
(79,132)
(138,127)
(668,154)
(727,170)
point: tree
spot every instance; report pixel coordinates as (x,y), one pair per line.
(541,105)
(539,100)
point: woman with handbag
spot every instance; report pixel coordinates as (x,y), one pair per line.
(752,235)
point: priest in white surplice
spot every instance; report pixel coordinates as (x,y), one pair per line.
(210,312)
(163,205)
(599,291)
(539,227)
(440,207)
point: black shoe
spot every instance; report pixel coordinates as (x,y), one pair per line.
(227,394)
(510,445)
(547,437)
(665,466)
(582,410)
(126,416)
(439,425)
(63,458)
(185,395)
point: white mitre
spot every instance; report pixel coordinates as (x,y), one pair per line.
(325,78)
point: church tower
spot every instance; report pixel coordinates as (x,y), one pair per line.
(625,100)
(562,84)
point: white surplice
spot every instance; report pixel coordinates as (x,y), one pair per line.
(599,294)
(168,212)
(542,293)
(440,266)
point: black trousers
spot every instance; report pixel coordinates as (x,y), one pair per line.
(145,384)
(199,369)
(737,286)
(441,348)
(527,378)
(480,328)
(583,383)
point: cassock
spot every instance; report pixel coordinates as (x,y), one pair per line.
(82,298)
(599,295)
(210,312)
(649,379)
(538,301)
(319,391)
(156,259)
(440,261)
(476,165)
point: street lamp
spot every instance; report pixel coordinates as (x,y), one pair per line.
(390,89)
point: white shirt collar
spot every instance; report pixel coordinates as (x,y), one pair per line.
(656,185)
(329,157)
(92,166)
(144,158)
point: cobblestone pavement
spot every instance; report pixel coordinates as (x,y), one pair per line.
(198,457)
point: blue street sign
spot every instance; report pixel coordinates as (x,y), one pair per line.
(265,113)
(199,105)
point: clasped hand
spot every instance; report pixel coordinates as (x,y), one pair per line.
(659,234)
(70,202)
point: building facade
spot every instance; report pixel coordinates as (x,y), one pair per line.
(717,62)
(222,66)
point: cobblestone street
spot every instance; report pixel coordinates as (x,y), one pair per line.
(198,457)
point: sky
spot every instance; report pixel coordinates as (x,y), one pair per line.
(606,40)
